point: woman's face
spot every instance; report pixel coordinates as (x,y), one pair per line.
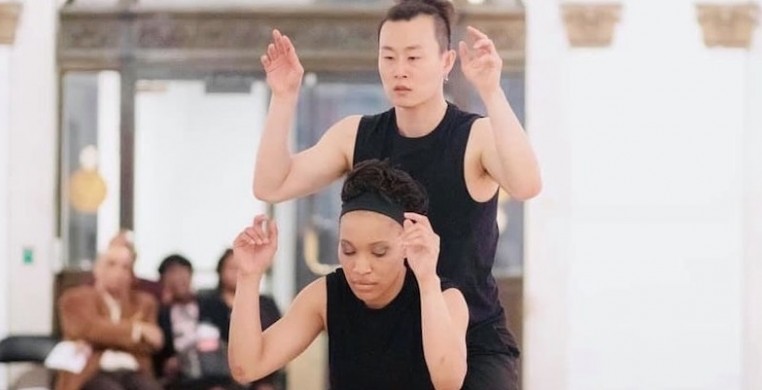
(411,64)
(371,254)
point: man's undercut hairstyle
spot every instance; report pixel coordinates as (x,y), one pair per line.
(441,10)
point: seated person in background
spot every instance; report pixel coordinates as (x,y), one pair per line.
(391,322)
(215,308)
(125,238)
(178,316)
(117,322)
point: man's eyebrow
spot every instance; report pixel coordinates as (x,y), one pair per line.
(408,48)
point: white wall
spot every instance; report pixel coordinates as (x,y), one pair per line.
(28,141)
(753,218)
(32,168)
(5,101)
(635,255)
(194,163)
(548,217)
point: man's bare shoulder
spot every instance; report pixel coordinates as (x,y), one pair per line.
(482,128)
(346,126)
(342,136)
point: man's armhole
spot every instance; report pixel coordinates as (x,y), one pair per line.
(344,137)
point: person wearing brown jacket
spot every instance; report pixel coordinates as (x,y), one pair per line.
(116,322)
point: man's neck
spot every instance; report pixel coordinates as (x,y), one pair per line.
(418,121)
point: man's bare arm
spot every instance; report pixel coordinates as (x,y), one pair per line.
(280,175)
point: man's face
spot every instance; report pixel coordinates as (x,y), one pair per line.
(113,270)
(411,64)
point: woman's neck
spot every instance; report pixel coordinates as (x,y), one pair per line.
(418,121)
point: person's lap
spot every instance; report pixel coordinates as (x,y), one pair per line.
(121,380)
(495,371)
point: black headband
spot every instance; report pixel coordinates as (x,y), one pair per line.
(373,201)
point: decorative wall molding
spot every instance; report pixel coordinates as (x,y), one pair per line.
(728,25)
(9,16)
(590,25)
(327,38)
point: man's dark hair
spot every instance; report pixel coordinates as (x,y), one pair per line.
(441,10)
(394,184)
(174,260)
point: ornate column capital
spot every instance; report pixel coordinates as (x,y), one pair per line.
(728,25)
(9,16)
(590,25)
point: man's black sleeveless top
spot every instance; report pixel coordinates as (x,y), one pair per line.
(468,229)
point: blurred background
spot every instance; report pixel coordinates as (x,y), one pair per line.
(639,266)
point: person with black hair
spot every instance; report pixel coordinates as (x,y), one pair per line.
(216,306)
(391,322)
(178,317)
(188,360)
(175,274)
(461,158)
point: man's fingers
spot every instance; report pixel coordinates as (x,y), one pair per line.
(271,52)
(475,34)
(278,41)
(287,45)
(290,52)
(465,54)
(484,45)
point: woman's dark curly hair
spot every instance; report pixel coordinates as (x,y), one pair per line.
(391,183)
(441,10)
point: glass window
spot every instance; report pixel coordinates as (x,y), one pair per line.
(324,101)
(89,164)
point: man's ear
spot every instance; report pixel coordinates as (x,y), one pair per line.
(450,57)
